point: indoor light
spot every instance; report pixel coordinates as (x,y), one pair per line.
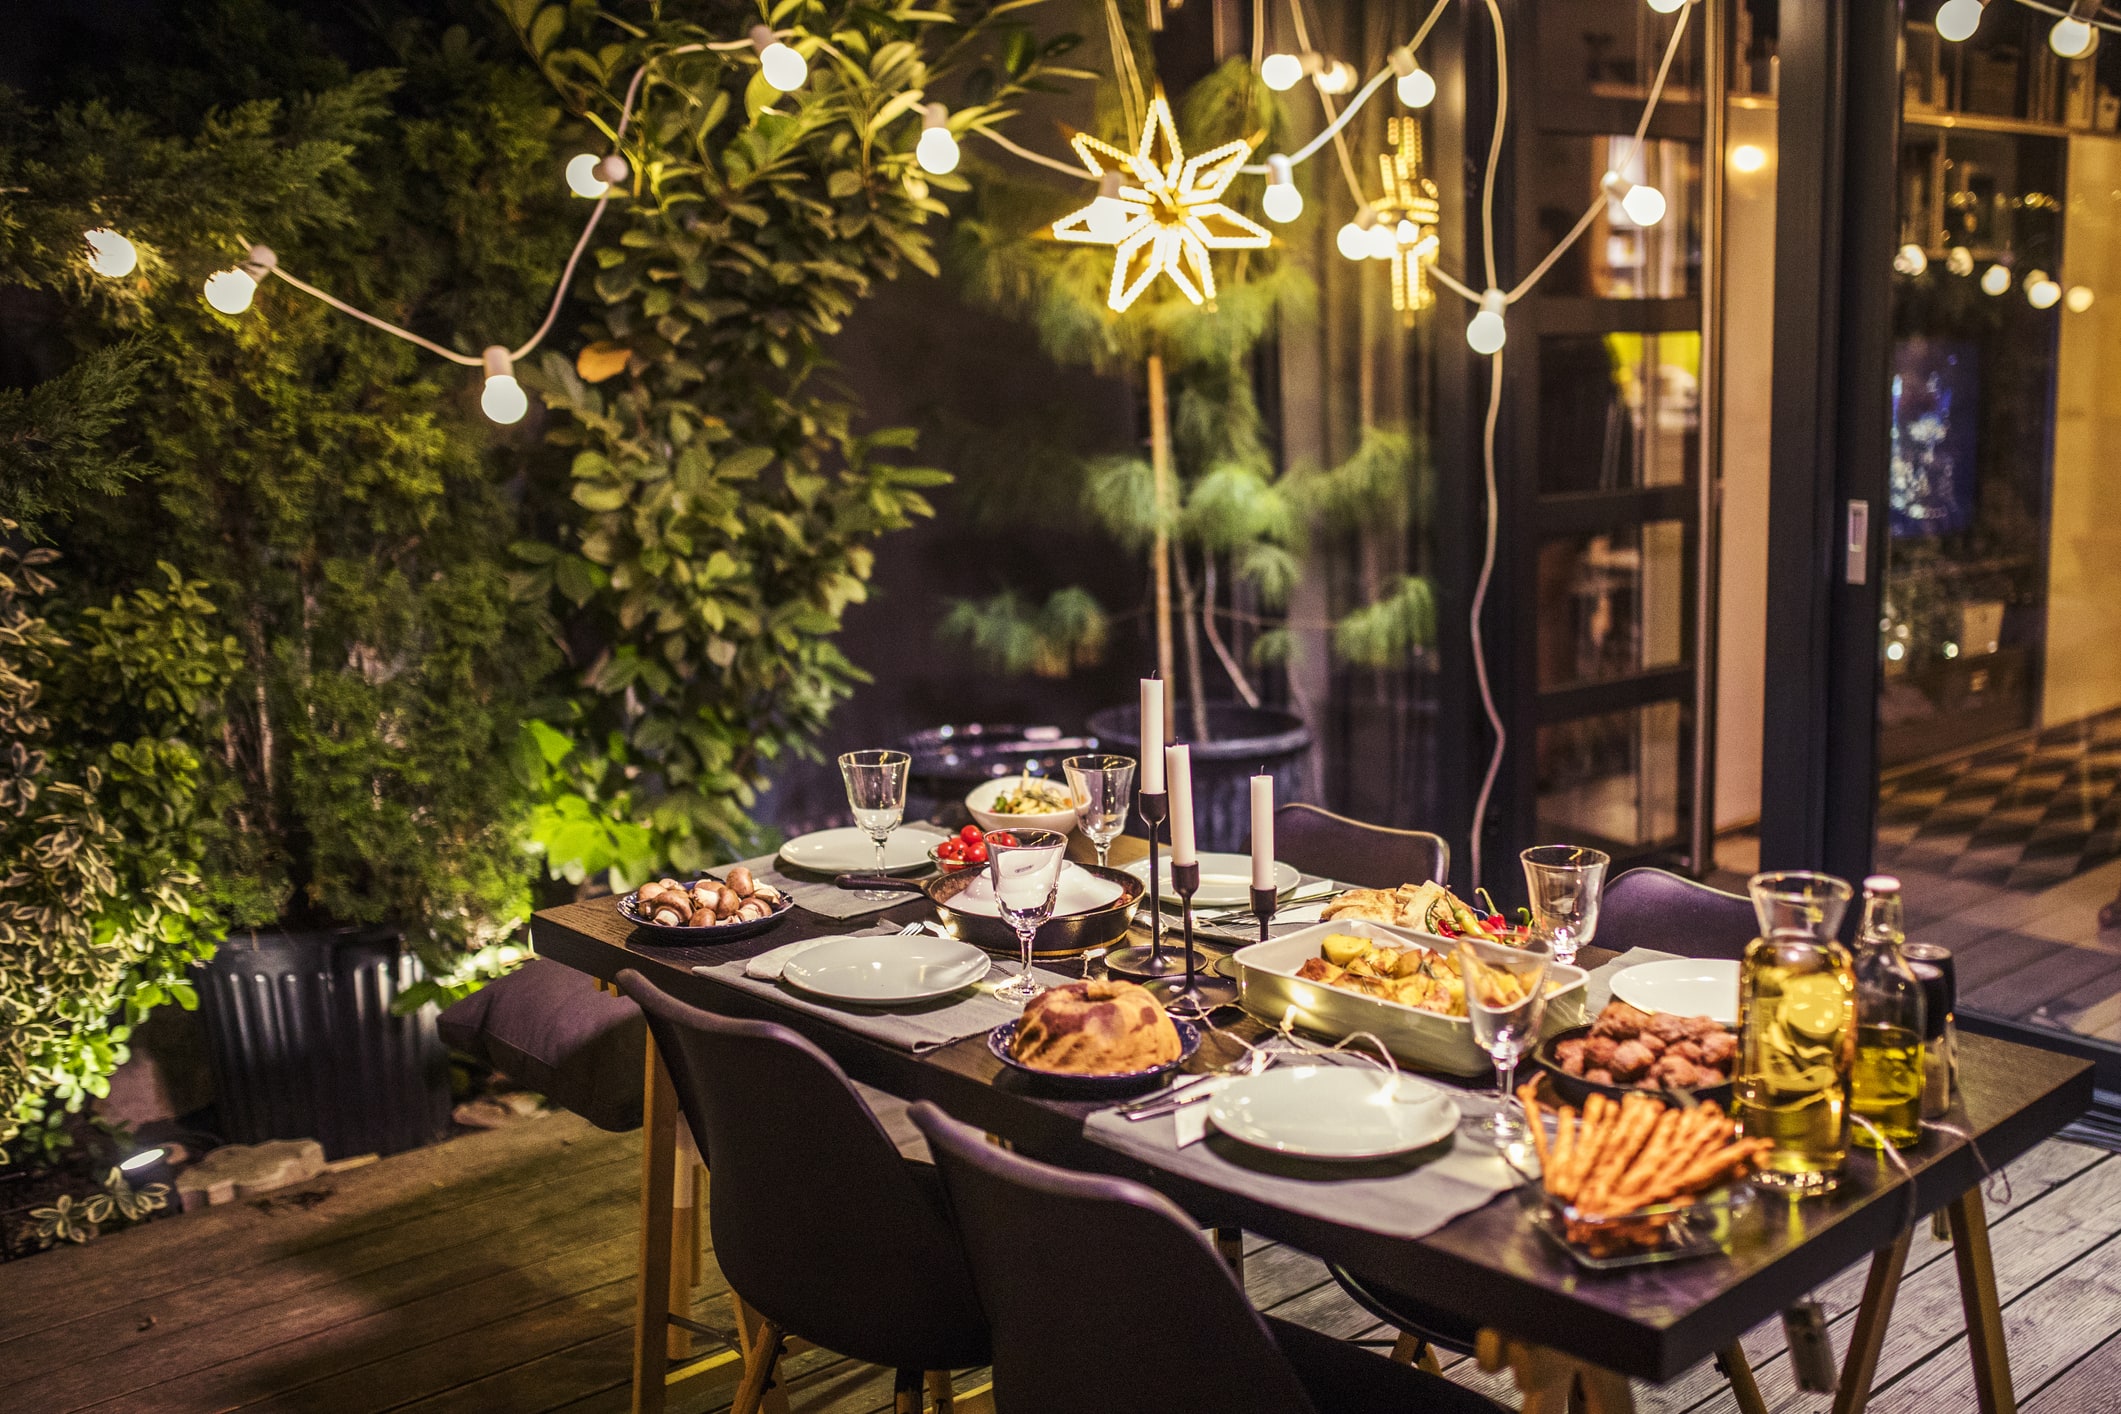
(1995,280)
(503,400)
(1353,240)
(1643,203)
(1665,7)
(1336,77)
(783,67)
(1107,217)
(1958,19)
(1281,72)
(937,149)
(2040,291)
(2078,299)
(2073,36)
(1959,260)
(1911,259)
(1748,157)
(1281,201)
(1417,89)
(110,254)
(1485,331)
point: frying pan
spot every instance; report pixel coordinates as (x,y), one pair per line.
(1067,935)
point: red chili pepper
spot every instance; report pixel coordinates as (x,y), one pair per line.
(1494,920)
(1443,927)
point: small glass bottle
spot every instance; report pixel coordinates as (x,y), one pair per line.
(1797,1017)
(1890,1024)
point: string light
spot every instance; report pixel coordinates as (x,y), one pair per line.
(1353,239)
(2078,299)
(2073,36)
(1959,260)
(1665,7)
(230,291)
(2041,292)
(1748,157)
(590,176)
(1380,241)
(503,398)
(1281,201)
(1415,86)
(1281,72)
(1107,218)
(1337,77)
(1485,331)
(1643,203)
(109,254)
(1958,19)
(1911,260)
(783,67)
(1995,280)
(937,149)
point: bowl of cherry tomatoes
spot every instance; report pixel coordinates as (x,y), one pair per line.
(967,849)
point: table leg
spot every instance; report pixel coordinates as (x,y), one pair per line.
(1868,1338)
(1551,1382)
(1739,1371)
(651,1312)
(1977,1294)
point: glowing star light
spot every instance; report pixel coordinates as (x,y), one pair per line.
(1410,202)
(1171,212)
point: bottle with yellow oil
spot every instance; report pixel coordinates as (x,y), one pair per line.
(1890,1023)
(1797,1043)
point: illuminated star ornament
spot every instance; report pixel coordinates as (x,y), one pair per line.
(1410,204)
(1164,213)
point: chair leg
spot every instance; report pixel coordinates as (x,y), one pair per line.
(651,1315)
(1230,1246)
(906,1388)
(760,1362)
(942,1396)
(753,1330)
(1977,1294)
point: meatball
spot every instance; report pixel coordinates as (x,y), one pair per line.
(1570,1055)
(1631,1059)
(1667,1027)
(1681,1074)
(1719,1049)
(1689,1051)
(1651,1042)
(1698,1027)
(1598,1051)
(1619,1021)
(1599,1077)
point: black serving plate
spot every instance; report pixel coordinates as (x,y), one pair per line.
(999,1039)
(629,909)
(1574,1089)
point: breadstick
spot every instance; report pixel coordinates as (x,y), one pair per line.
(1638,1115)
(1653,1153)
(1595,1134)
(1695,1134)
(1564,1147)
(1528,1096)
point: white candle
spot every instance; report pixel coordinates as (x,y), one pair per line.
(1262,831)
(1152,747)
(1178,765)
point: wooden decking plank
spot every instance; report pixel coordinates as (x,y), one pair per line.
(1275,1273)
(2094,1382)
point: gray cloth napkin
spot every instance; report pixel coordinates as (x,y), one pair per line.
(1598,988)
(1410,1195)
(924,1027)
(825,898)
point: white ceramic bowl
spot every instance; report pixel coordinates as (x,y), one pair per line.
(982,799)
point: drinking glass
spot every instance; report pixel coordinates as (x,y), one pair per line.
(1566,882)
(1102,788)
(876,792)
(1506,999)
(1026,868)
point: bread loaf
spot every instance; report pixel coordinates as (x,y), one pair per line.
(1098,1027)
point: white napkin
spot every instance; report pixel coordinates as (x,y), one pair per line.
(1192,1121)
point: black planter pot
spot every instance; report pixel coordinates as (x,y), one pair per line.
(1245,741)
(305,1046)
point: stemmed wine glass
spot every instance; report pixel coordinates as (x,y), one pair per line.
(876,792)
(1506,999)
(1102,788)
(1026,868)
(1566,883)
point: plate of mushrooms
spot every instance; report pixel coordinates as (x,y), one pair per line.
(706,910)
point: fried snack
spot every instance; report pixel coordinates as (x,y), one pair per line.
(1631,1167)
(1651,1051)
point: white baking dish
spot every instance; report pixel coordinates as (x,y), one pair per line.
(1267,973)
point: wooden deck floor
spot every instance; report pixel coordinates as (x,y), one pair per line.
(494,1272)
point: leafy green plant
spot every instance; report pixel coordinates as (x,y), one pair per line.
(79,1220)
(721,503)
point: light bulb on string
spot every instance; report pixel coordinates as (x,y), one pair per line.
(1958,19)
(1959,260)
(1485,332)
(1353,239)
(1911,260)
(937,149)
(1748,157)
(1665,7)
(582,178)
(2073,36)
(1415,86)
(783,67)
(1336,77)
(1281,72)
(1380,241)
(1107,218)
(109,254)
(503,398)
(1643,203)
(1995,280)
(2078,299)
(1281,201)
(230,291)
(2041,292)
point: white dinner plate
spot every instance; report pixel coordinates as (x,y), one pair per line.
(1684,986)
(1333,1112)
(891,968)
(1225,879)
(1079,892)
(848,851)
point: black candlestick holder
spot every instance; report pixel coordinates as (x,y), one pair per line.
(1151,963)
(1195,994)
(1263,905)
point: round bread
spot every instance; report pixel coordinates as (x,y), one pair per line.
(1099,1027)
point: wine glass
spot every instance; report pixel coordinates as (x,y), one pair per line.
(1026,868)
(876,792)
(1566,883)
(1102,788)
(1506,999)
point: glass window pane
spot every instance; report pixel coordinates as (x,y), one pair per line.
(1611,604)
(1616,779)
(1618,411)
(1618,257)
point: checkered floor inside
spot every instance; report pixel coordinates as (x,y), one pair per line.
(2024,816)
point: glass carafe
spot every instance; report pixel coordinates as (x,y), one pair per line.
(1797,1014)
(1890,1024)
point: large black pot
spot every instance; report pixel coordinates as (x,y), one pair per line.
(305,1046)
(1243,742)
(949,761)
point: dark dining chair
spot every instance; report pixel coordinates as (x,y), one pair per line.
(819,1225)
(1651,908)
(1369,856)
(1103,1295)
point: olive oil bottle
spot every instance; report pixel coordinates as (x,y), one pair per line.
(1890,1017)
(1797,1048)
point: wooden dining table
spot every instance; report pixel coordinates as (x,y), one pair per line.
(1548,1318)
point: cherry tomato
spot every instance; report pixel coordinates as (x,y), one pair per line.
(970,834)
(976,852)
(949,849)
(1004,837)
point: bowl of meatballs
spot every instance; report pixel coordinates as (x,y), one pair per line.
(1624,1049)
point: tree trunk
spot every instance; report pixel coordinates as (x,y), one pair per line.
(1160,553)
(1196,681)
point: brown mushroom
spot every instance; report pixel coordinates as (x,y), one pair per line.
(739,878)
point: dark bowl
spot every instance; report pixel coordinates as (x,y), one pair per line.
(999,1038)
(1574,1089)
(685,934)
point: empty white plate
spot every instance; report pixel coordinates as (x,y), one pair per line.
(1684,986)
(1333,1112)
(889,968)
(1079,892)
(849,851)
(1225,879)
